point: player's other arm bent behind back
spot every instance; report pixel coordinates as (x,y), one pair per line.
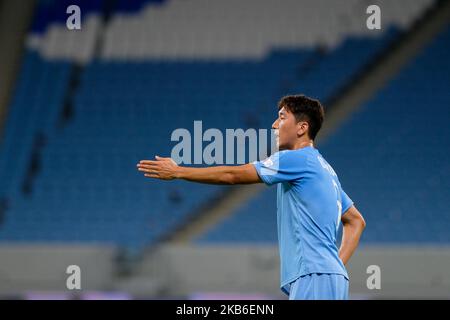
(353,226)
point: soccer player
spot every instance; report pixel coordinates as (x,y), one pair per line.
(310,202)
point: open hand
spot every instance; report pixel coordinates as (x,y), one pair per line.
(161,168)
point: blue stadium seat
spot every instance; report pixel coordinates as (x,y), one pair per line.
(88,188)
(391,157)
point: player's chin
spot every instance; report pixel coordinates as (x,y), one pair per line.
(278,144)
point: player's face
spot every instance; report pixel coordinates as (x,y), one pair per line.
(285,127)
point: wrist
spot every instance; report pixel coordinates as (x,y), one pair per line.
(179,172)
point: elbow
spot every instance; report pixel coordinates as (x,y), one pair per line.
(355,221)
(244,174)
(230,178)
(235,177)
(362,222)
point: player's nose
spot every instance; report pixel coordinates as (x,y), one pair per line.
(275,124)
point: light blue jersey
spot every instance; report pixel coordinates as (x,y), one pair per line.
(310,202)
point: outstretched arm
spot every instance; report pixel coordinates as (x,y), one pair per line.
(167,169)
(353,226)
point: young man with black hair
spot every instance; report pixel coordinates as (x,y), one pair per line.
(310,202)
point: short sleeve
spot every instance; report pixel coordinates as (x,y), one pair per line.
(346,201)
(283,166)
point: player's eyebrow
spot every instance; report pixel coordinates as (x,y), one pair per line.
(281,113)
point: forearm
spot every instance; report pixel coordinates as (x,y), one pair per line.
(210,175)
(167,169)
(350,239)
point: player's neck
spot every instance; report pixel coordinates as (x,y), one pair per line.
(303,144)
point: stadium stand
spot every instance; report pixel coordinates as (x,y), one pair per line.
(406,122)
(144,70)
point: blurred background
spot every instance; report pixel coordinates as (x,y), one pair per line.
(79,109)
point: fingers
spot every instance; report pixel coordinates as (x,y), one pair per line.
(163,158)
(148,169)
(150,173)
(158,159)
(148,162)
(152,168)
(139,165)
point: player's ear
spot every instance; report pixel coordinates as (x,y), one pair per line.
(302,128)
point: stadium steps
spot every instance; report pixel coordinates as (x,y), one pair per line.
(421,34)
(340,108)
(15,16)
(215,213)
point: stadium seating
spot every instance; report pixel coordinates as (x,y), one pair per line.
(38,98)
(127,95)
(90,164)
(391,157)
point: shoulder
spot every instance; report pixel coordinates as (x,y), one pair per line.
(293,157)
(303,153)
